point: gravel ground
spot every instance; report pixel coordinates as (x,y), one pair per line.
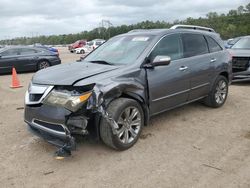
(192,146)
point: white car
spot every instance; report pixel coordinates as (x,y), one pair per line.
(90,46)
(85,49)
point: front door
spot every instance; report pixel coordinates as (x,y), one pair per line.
(168,85)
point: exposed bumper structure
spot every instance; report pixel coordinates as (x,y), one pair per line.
(45,123)
(241,69)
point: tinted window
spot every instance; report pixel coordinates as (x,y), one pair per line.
(194,44)
(169,46)
(213,45)
(10,52)
(27,51)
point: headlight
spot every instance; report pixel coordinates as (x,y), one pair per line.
(66,100)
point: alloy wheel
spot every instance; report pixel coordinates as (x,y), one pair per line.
(221,92)
(129,123)
(43,65)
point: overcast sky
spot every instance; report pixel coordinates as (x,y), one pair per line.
(46,17)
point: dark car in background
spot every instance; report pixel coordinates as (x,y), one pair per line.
(240,52)
(124,82)
(26,59)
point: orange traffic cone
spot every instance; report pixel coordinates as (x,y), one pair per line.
(15,81)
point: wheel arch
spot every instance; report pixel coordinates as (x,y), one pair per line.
(225,74)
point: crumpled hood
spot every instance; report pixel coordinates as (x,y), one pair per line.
(68,74)
(239,52)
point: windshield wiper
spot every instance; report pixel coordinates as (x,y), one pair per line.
(101,62)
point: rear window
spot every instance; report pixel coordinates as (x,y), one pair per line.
(194,44)
(213,45)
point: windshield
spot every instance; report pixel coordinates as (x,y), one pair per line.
(120,50)
(243,43)
(233,41)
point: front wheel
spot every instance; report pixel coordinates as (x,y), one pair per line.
(130,119)
(218,95)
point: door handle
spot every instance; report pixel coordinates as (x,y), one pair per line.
(183,68)
(213,60)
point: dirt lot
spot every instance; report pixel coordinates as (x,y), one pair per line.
(193,146)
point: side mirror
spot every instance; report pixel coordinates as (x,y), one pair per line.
(161,61)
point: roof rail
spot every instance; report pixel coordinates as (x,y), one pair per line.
(137,30)
(195,27)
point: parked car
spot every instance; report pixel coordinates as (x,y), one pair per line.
(96,43)
(90,46)
(26,59)
(124,82)
(240,52)
(38,45)
(77,44)
(231,42)
(84,50)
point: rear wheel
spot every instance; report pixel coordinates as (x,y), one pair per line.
(130,119)
(43,64)
(82,51)
(218,95)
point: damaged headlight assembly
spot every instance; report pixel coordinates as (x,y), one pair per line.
(67,100)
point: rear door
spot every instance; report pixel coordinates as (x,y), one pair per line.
(199,62)
(27,59)
(8,60)
(168,85)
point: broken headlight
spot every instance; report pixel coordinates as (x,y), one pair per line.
(67,100)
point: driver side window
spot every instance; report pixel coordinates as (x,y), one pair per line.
(170,45)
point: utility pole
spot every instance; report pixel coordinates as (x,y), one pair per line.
(105,24)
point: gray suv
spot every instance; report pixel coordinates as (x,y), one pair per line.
(114,91)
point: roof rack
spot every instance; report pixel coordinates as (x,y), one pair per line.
(195,27)
(137,30)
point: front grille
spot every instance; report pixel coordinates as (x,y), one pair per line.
(241,63)
(52,126)
(35,97)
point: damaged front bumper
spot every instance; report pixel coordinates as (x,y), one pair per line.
(241,76)
(48,123)
(58,125)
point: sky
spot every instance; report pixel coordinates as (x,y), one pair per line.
(48,17)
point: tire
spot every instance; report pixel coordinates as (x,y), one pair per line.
(82,52)
(218,95)
(117,109)
(43,64)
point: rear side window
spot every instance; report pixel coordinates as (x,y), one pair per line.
(213,45)
(168,46)
(194,44)
(11,52)
(27,51)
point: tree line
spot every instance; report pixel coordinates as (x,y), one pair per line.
(234,23)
